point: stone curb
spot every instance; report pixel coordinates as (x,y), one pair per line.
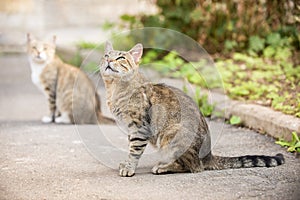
(264,119)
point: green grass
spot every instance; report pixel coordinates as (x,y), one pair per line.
(293,145)
(269,81)
(273,83)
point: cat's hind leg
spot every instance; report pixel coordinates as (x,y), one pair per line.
(179,150)
(173,167)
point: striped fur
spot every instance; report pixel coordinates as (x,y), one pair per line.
(165,117)
(72,97)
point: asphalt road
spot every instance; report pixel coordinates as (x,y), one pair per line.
(39,161)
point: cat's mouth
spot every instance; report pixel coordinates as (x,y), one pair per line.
(38,59)
(109,68)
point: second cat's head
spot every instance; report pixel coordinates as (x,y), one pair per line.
(40,52)
(120,64)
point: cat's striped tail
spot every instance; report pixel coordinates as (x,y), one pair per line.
(218,162)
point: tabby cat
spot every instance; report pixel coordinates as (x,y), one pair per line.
(165,117)
(68,103)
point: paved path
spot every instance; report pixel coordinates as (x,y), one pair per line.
(39,161)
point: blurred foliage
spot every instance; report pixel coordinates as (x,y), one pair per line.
(255,44)
(171,64)
(226,25)
(257,80)
(270,80)
(258,40)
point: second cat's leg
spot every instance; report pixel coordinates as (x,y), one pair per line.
(64,118)
(50,93)
(137,144)
(64,108)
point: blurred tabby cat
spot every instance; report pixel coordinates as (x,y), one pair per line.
(165,117)
(68,103)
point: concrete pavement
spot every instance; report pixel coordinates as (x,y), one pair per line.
(39,161)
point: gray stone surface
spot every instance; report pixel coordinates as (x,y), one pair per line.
(265,120)
(39,161)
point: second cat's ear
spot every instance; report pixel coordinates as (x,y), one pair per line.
(108,47)
(136,52)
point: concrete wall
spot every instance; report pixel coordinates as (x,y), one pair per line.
(39,15)
(61,17)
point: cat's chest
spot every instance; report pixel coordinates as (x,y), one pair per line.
(126,105)
(36,72)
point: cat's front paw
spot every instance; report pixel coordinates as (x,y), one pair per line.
(126,169)
(47,119)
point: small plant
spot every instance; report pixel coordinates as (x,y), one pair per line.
(202,101)
(86,45)
(293,146)
(267,80)
(235,120)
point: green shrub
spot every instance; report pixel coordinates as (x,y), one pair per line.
(226,25)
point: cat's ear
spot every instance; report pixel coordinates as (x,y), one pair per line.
(108,47)
(136,52)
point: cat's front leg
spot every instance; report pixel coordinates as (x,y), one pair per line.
(51,95)
(137,145)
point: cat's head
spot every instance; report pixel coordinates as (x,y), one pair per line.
(40,52)
(120,64)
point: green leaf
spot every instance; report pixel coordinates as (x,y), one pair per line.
(291,149)
(295,138)
(283,143)
(297,145)
(256,43)
(129,18)
(283,53)
(273,39)
(196,15)
(293,146)
(269,52)
(230,44)
(235,120)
